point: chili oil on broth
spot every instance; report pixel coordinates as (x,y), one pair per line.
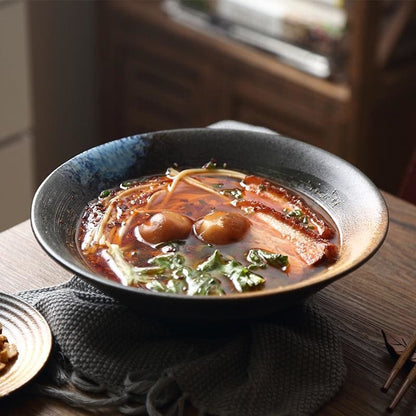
(115,218)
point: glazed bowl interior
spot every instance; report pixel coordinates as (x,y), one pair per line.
(348,196)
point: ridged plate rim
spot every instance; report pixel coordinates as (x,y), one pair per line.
(27,328)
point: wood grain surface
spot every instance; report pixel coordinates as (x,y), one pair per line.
(379,295)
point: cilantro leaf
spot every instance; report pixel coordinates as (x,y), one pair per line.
(241,277)
(261,258)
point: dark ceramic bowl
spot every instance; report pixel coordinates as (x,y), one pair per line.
(350,198)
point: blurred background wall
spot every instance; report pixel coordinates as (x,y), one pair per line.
(62,43)
(47,94)
(16,141)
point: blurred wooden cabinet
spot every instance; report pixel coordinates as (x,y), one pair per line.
(158,74)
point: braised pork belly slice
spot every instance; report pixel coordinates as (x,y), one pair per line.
(292,206)
(310,248)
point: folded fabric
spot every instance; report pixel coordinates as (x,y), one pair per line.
(117,360)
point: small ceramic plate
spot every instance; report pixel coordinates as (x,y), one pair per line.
(25,327)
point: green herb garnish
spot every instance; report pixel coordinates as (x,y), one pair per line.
(235,193)
(126,184)
(167,273)
(263,258)
(241,277)
(104,194)
(298,214)
(131,274)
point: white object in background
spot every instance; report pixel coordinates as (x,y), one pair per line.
(275,17)
(307,61)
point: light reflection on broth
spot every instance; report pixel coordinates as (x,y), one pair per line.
(205,231)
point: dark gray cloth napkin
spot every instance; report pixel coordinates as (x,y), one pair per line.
(118,361)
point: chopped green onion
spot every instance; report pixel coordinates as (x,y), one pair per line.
(105,193)
(126,184)
(298,214)
(235,193)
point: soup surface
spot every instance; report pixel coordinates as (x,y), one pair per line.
(208,231)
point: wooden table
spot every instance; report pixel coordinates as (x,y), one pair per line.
(379,295)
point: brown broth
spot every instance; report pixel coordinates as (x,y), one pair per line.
(149,196)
